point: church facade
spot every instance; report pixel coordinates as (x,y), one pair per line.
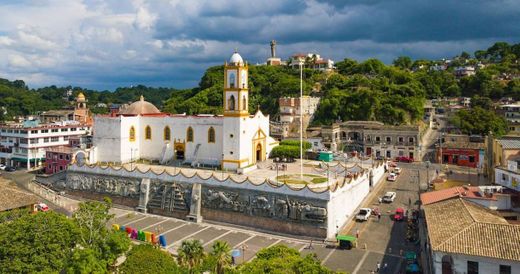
(234,140)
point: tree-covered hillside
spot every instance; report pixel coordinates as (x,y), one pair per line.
(368,90)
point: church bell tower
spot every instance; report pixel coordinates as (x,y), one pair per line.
(236,95)
(236,113)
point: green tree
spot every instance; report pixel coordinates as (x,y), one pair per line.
(479,121)
(92,218)
(482,102)
(37,243)
(403,62)
(282,259)
(191,254)
(221,252)
(145,258)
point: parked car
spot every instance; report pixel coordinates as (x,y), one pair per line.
(404,159)
(391,177)
(397,170)
(10,169)
(399,214)
(42,207)
(389,197)
(2,167)
(364,214)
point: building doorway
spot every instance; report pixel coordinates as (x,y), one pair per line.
(447,264)
(369,151)
(179,152)
(258,153)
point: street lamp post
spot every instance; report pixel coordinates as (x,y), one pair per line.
(427,174)
(301,120)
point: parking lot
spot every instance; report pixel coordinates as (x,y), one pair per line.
(384,240)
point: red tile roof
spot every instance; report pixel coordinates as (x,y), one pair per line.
(471,192)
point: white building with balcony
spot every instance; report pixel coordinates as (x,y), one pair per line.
(25,144)
(509,176)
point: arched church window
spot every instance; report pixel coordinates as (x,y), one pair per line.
(189,135)
(211,135)
(167,133)
(231,102)
(148,133)
(244,103)
(232,80)
(131,134)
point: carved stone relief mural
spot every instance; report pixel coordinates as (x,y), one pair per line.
(169,196)
(175,196)
(271,205)
(102,184)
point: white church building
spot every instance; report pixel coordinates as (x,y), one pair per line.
(234,141)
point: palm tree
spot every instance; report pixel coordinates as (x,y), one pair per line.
(222,254)
(190,254)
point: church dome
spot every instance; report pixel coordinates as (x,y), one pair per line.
(81,97)
(236,59)
(140,107)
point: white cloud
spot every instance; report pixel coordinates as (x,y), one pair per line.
(18,61)
(144,20)
(6,41)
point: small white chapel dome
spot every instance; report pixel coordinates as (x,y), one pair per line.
(236,58)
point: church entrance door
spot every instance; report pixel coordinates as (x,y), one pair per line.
(258,153)
(179,152)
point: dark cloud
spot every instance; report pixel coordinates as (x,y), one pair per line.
(108,43)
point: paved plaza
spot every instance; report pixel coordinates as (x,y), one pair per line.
(385,239)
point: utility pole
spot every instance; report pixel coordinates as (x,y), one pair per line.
(301,120)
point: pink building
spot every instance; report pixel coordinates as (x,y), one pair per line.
(57,159)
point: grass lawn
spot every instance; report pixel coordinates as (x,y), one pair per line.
(307,179)
(449,183)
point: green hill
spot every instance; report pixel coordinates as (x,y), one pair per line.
(369,90)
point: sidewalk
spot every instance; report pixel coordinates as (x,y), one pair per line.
(69,205)
(367,202)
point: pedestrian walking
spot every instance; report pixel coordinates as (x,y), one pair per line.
(378,216)
(378,266)
(357,233)
(409,201)
(310,245)
(380,200)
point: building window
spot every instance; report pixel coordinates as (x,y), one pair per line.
(167,133)
(471,159)
(401,139)
(46,139)
(45,131)
(244,103)
(472,267)
(132,134)
(54,130)
(368,138)
(378,139)
(231,102)
(61,156)
(388,139)
(34,131)
(411,139)
(505,269)
(65,138)
(67,157)
(73,129)
(189,135)
(148,133)
(33,141)
(55,139)
(211,135)
(64,129)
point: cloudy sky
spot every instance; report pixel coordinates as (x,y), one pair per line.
(103,44)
